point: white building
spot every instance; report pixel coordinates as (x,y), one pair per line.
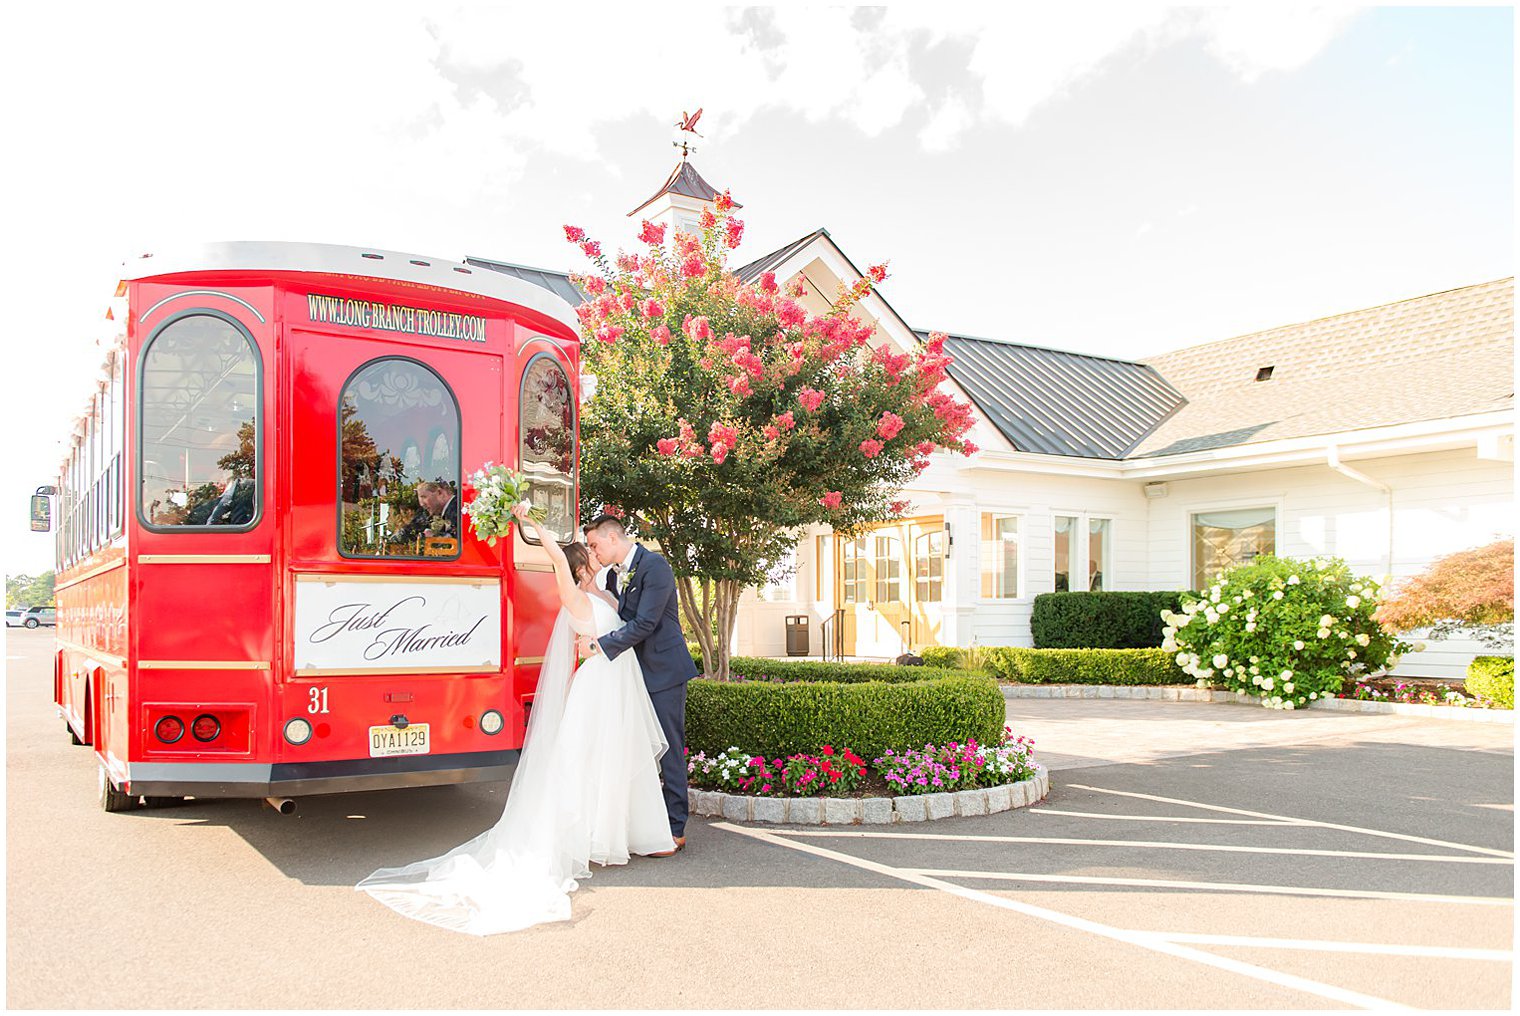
(1384,436)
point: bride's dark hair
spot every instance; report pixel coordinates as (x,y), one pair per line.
(578,557)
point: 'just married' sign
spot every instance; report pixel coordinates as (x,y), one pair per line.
(391,626)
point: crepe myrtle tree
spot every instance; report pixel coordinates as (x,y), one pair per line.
(1469,593)
(726,416)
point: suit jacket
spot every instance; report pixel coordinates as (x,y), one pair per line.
(652,614)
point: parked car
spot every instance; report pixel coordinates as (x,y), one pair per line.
(13,618)
(40,616)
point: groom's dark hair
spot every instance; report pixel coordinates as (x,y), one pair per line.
(607,522)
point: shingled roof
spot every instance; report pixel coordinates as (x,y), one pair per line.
(1432,357)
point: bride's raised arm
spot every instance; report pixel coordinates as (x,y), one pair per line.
(570,592)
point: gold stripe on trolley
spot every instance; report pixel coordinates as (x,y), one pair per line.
(382,671)
(471,580)
(528,661)
(203,665)
(532,566)
(99,570)
(94,654)
(203,558)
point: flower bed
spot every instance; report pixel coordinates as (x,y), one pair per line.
(1083,666)
(1407,693)
(780,713)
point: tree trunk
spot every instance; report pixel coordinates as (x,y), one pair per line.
(710,606)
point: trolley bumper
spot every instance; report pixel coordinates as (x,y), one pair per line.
(298,779)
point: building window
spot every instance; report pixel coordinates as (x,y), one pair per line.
(821,563)
(1000,556)
(547,451)
(1064,527)
(389,509)
(781,583)
(854,554)
(1224,539)
(888,569)
(199,424)
(1097,553)
(929,567)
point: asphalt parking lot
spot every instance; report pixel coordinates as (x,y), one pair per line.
(1189,856)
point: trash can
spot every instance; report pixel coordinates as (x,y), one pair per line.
(796,635)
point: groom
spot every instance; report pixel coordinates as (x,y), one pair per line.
(646,594)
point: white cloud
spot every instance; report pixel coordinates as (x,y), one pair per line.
(1253,40)
(947,122)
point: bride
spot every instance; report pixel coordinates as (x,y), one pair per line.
(586,787)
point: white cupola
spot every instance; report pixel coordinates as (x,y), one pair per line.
(679,202)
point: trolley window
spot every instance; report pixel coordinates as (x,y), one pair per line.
(200,426)
(398,463)
(547,443)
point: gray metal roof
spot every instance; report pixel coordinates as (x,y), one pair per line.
(557,283)
(685,180)
(1052,402)
(776,258)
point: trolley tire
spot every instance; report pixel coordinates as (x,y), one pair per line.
(162,802)
(73,737)
(112,799)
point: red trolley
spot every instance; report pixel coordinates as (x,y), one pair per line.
(266,587)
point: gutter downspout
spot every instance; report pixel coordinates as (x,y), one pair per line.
(1333,460)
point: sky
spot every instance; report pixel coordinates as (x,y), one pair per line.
(1116,180)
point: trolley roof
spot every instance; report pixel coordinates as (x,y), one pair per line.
(366,262)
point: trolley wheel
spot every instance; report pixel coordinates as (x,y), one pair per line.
(73,737)
(162,802)
(112,799)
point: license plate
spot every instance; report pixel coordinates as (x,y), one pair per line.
(408,740)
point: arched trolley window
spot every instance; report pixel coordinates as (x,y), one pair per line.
(546,443)
(394,501)
(199,426)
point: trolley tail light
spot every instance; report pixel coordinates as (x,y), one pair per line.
(169,729)
(205,727)
(297,731)
(491,722)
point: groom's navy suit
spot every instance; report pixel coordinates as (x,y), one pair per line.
(652,629)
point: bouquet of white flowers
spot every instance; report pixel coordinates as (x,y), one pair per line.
(497,491)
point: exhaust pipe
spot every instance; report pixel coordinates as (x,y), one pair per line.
(283,805)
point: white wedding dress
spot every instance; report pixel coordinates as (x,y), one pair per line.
(586,788)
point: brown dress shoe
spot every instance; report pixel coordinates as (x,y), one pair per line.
(680,845)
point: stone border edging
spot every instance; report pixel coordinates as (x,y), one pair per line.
(870,810)
(1185,693)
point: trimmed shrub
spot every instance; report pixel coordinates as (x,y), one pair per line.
(1288,631)
(757,669)
(1101,620)
(1493,677)
(780,718)
(942,656)
(1084,666)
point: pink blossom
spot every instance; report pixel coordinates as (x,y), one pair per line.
(923,447)
(591,249)
(870,449)
(790,314)
(575,234)
(889,427)
(936,342)
(660,334)
(697,328)
(735,232)
(810,399)
(692,266)
(720,433)
(628,262)
(724,202)
(897,507)
(833,499)
(967,448)
(878,273)
(595,285)
(652,234)
(610,333)
(627,301)
(768,283)
(709,220)
(719,453)
(653,309)
(786,420)
(667,445)
(770,432)
(739,386)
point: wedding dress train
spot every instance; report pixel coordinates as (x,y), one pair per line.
(586,788)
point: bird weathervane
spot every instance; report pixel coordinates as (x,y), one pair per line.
(687,124)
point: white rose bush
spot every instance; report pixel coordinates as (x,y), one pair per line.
(1286,630)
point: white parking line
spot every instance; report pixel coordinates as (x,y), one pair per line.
(1233,887)
(1160,818)
(1228,848)
(1323,945)
(1290,981)
(1300,821)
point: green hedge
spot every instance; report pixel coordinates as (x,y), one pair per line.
(756,668)
(1084,666)
(1101,620)
(1493,677)
(789,716)
(942,656)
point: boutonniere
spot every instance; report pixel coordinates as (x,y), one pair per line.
(624,579)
